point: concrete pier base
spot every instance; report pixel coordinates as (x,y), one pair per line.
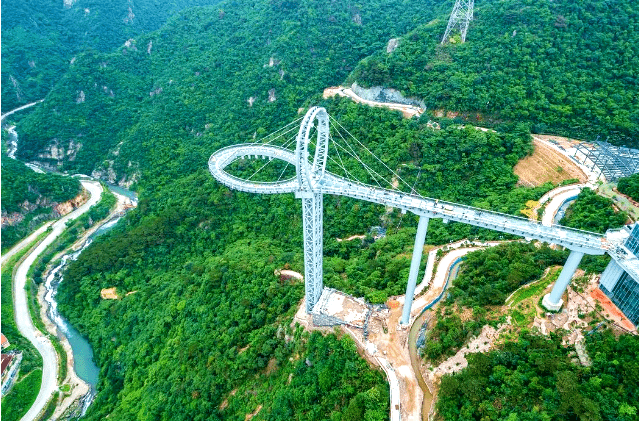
(551,306)
(553,300)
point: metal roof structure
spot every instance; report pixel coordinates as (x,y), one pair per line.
(614,162)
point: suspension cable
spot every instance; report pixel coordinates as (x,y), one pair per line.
(339,156)
(353,154)
(288,142)
(374,156)
(281,132)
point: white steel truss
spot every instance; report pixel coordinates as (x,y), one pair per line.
(312,212)
(312,181)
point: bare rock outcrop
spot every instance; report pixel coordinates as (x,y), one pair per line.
(55,151)
(392,45)
(58,209)
(382,94)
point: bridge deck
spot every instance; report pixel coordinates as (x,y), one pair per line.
(583,241)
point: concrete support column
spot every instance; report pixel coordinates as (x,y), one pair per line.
(553,301)
(422,227)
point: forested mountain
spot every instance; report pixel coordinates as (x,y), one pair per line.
(565,67)
(41,37)
(205,332)
(208,316)
(28,198)
(192,81)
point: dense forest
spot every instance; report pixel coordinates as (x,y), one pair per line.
(488,276)
(31,195)
(565,67)
(200,258)
(164,100)
(536,379)
(592,212)
(41,38)
(203,328)
(629,186)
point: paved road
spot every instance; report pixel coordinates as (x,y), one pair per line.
(20,108)
(23,319)
(22,244)
(556,202)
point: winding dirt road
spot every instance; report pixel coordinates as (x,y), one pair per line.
(407,110)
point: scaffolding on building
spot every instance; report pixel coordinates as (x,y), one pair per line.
(614,162)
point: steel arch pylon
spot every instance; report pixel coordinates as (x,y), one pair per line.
(312,202)
(308,176)
(312,181)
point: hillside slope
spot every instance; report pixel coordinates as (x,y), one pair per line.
(201,79)
(567,68)
(29,199)
(40,38)
(205,331)
(208,322)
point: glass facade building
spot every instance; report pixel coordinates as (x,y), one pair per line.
(625,295)
(632,243)
(619,286)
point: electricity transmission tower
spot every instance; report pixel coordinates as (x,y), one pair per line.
(460,18)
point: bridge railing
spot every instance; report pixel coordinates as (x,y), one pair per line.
(587,238)
(335,184)
(222,157)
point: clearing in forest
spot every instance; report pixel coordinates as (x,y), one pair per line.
(546,164)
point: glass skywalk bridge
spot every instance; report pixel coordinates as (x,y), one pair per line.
(312,181)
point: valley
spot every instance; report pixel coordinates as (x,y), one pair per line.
(193,303)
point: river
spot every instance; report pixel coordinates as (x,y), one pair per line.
(83,362)
(417,330)
(12,143)
(561,212)
(12,147)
